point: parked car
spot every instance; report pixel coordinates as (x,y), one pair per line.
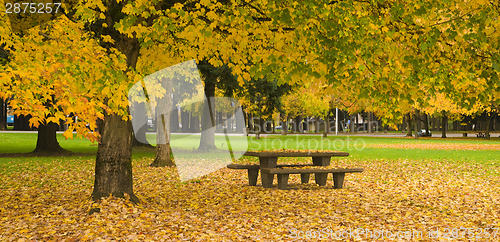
(422,133)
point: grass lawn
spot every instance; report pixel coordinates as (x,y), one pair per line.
(408,185)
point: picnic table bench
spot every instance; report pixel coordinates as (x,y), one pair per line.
(268,166)
(320,174)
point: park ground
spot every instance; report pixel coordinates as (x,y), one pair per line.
(410,190)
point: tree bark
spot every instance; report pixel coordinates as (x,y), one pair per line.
(370,120)
(408,125)
(284,126)
(426,124)
(163,150)
(326,126)
(3,115)
(21,122)
(416,119)
(174,120)
(444,125)
(207,141)
(113,168)
(185,121)
(140,135)
(46,142)
(240,124)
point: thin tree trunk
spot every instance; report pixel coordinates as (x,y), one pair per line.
(207,141)
(139,115)
(326,126)
(113,168)
(46,142)
(284,126)
(426,124)
(444,125)
(416,120)
(3,115)
(370,120)
(163,149)
(488,123)
(408,125)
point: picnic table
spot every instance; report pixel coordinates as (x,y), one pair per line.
(268,165)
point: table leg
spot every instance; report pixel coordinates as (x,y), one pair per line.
(282,181)
(252,176)
(266,178)
(320,178)
(321,160)
(338,180)
(304,177)
(268,162)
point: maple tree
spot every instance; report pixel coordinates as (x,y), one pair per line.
(216,31)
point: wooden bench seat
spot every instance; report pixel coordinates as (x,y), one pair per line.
(253,171)
(321,175)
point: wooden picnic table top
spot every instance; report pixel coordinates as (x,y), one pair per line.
(286,153)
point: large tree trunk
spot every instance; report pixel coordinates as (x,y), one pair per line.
(113,167)
(444,125)
(46,142)
(207,141)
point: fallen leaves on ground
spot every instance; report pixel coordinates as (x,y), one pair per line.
(51,202)
(439,146)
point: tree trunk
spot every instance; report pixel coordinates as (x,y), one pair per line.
(260,126)
(326,126)
(174,120)
(370,120)
(207,141)
(416,120)
(408,125)
(426,124)
(21,122)
(298,124)
(194,124)
(46,142)
(164,110)
(488,122)
(444,125)
(139,115)
(3,115)
(284,126)
(113,167)
(185,121)
(240,124)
